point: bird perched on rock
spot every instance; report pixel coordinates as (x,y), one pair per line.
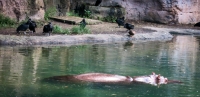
(32,26)
(48,28)
(83,24)
(120,21)
(98,2)
(23,27)
(129,26)
(197,24)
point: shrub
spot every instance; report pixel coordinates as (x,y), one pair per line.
(71,13)
(49,12)
(109,19)
(80,30)
(59,30)
(66,31)
(6,21)
(75,30)
(87,14)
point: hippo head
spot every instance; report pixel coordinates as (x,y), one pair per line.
(159,79)
(153,79)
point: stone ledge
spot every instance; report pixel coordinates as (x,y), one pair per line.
(80,39)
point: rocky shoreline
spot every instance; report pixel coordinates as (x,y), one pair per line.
(79,39)
(101,33)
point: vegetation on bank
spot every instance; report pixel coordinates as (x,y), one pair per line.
(88,14)
(75,30)
(49,13)
(6,21)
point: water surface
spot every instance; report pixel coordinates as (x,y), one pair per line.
(22,69)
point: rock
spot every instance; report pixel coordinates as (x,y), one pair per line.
(104,12)
(159,11)
(163,17)
(21,9)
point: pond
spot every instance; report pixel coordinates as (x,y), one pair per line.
(22,69)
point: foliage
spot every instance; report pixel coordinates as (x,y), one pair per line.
(87,14)
(75,30)
(49,12)
(59,30)
(80,30)
(109,19)
(66,31)
(71,13)
(6,21)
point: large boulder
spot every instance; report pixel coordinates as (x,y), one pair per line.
(106,12)
(21,9)
(163,17)
(160,11)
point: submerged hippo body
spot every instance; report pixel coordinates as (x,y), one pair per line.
(153,79)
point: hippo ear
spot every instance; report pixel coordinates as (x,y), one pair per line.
(153,73)
(166,79)
(158,77)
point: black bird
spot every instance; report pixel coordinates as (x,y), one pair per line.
(120,21)
(48,28)
(83,24)
(129,26)
(32,26)
(197,24)
(23,27)
(98,2)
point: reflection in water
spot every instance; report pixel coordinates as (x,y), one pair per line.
(22,68)
(45,52)
(36,57)
(185,50)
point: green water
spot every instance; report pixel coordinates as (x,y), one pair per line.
(22,69)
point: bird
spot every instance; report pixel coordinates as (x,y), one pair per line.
(197,24)
(32,26)
(120,21)
(23,27)
(48,28)
(129,26)
(83,24)
(98,2)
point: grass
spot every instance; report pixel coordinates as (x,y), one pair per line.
(71,13)
(6,21)
(49,12)
(75,30)
(109,19)
(80,30)
(59,30)
(87,14)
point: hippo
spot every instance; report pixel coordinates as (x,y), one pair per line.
(153,79)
